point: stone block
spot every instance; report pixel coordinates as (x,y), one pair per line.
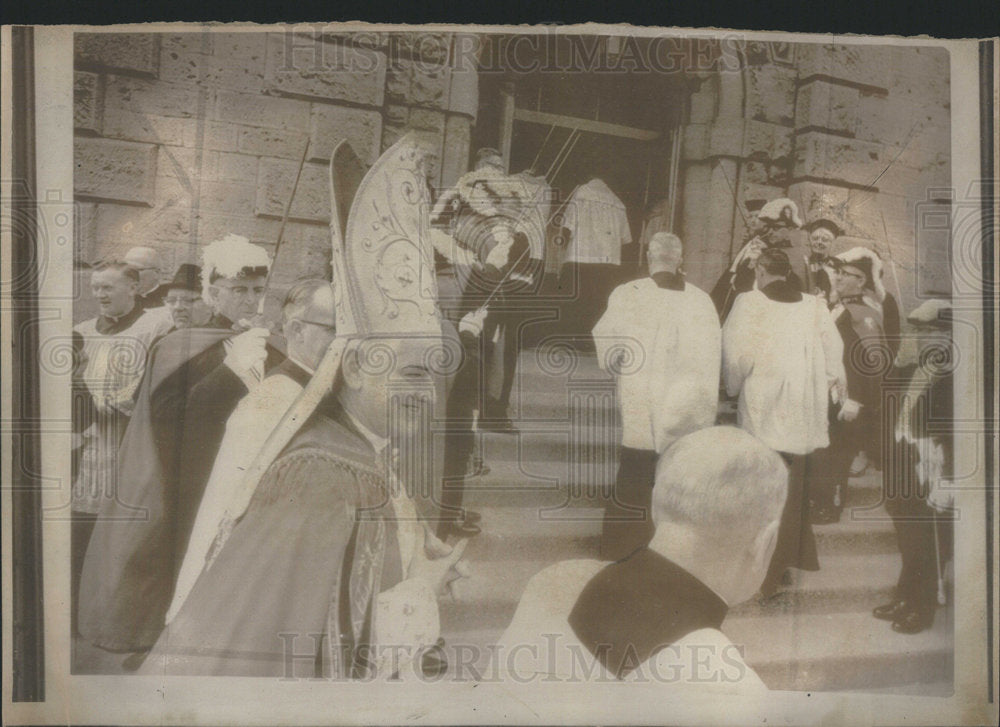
(873,122)
(463,96)
(702,109)
(236,168)
(821,156)
(694,143)
(229,197)
(770,94)
(726,138)
(827,106)
(255,110)
(867,65)
(271,142)
(141,96)
(214,225)
(305,253)
(455,156)
(151,128)
(88,102)
(275,178)
(85,232)
(330,72)
(430,47)
(127,52)
(416,83)
(114,170)
(194,42)
(426,120)
(189,165)
(212,135)
(235,71)
(329,124)
(121,227)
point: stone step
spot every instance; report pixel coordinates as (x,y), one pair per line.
(841,651)
(844,583)
(802,652)
(549,534)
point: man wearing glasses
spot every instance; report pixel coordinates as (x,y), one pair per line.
(183,299)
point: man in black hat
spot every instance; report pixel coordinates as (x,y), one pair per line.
(182,298)
(918,468)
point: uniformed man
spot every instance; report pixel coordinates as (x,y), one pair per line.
(918,468)
(855,423)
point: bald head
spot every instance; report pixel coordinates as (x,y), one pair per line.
(722,481)
(148,263)
(665,252)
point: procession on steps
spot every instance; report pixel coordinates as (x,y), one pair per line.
(406,470)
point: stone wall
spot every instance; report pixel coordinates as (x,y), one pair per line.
(183,138)
(858,133)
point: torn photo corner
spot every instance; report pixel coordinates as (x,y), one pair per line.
(361,374)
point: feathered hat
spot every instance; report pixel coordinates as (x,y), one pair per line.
(868,262)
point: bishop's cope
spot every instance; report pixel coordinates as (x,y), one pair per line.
(317,507)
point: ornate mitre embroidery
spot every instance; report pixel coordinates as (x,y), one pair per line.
(382,260)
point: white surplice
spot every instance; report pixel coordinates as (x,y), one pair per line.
(783,359)
(669,346)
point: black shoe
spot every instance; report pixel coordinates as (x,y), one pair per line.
(891,611)
(472,517)
(912,621)
(461,529)
(825,516)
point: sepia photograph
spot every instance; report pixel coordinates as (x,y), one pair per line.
(507,374)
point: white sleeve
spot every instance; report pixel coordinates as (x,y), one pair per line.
(737,360)
(611,331)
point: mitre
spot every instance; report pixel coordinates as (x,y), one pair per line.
(382,258)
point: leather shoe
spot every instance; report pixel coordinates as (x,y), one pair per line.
(472,517)
(825,516)
(891,611)
(912,622)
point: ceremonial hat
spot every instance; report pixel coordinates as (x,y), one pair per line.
(383,263)
(866,261)
(781,209)
(187,277)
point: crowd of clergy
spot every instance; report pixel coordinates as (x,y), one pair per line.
(745,412)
